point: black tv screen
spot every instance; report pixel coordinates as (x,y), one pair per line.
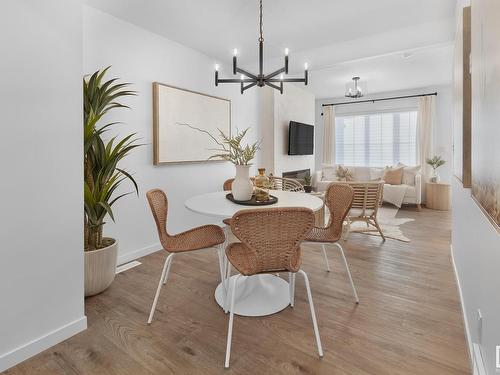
(300,139)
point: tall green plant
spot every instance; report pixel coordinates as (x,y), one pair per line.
(102,175)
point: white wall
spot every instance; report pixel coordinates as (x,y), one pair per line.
(295,104)
(276,112)
(476,243)
(41,270)
(476,254)
(141,57)
(443,129)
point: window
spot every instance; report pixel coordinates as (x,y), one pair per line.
(376,140)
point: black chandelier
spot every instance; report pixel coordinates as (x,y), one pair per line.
(248,79)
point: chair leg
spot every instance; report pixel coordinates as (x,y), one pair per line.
(291,284)
(326,258)
(163,279)
(220,255)
(313,314)
(230,328)
(168,270)
(378,228)
(348,272)
(227,281)
(345,234)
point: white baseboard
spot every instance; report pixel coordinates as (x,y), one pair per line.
(42,343)
(136,254)
(464,312)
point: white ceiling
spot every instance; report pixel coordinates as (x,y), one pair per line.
(363,36)
(422,68)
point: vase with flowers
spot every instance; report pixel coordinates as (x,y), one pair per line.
(229,148)
(435,163)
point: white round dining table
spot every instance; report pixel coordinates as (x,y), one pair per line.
(262,294)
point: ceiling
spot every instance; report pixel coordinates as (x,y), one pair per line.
(422,68)
(336,37)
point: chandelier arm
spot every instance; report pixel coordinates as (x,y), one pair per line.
(274,74)
(249,86)
(235,80)
(301,80)
(272,85)
(244,72)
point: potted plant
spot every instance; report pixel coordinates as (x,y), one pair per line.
(307,184)
(435,163)
(102,177)
(230,149)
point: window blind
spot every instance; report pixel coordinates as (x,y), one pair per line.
(376,139)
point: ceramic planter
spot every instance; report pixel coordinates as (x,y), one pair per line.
(100,269)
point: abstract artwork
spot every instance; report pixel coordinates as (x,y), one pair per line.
(175,113)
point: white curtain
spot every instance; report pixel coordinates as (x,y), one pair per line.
(328,135)
(425,129)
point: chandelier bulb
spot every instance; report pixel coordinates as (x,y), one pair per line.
(286,51)
(216,67)
(305,66)
(281,76)
(235,51)
(242,77)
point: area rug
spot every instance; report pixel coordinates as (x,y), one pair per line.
(388,222)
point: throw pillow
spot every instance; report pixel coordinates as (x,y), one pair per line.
(344,174)
(329,174)
(393,176)
(409,174)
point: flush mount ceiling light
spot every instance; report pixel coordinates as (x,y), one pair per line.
(353,89)
(248,79)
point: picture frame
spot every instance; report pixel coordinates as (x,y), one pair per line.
(177,114)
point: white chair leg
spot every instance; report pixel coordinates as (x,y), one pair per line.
(346,230)
(313,314)
(291,285)
(163,278)
(220,255)
(326,258)
(348,272)
(230,328)
(168,270)
(227,281)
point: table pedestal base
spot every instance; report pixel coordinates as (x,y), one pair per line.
(257,295)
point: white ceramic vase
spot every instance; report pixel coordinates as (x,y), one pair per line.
(100,269)
(242,187)
(435,177)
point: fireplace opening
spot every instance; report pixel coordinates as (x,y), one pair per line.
(298,175)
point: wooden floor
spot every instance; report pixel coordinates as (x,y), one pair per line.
(408,321)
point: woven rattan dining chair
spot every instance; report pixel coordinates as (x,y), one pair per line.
(198,238)
(270,243)
(338,199)
(367,200)
(285,184)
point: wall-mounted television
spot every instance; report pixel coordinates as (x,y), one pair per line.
(300,139)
